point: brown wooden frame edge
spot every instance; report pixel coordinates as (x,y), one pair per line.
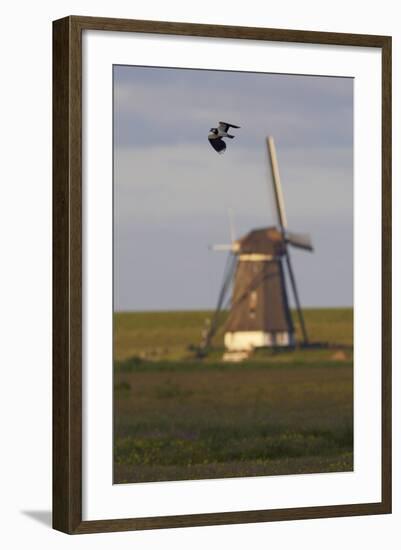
(67,275)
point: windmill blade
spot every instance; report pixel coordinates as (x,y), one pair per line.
(216,320)
(221,247)
(300,240)
(282,218)
(278,192)
(232,247)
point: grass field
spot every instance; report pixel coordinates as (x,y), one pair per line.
(176,417)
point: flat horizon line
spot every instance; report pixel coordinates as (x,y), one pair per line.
(211,309)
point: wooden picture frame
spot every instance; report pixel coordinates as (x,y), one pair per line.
(67,273)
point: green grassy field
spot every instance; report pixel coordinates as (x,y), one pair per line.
(167,335)
(176,417)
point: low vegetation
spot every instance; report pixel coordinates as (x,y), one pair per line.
(157,335)
(178,417)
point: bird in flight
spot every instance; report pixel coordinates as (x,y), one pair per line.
(216,136)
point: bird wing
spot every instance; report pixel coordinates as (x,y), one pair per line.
(224,126)
(218,145)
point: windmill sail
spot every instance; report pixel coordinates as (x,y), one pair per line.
(278,192)
(299,240)
(296,240)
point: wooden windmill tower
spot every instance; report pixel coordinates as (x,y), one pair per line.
(259,313)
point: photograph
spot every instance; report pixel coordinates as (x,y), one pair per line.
(232,274)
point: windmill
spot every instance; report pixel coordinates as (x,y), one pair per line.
(259,313)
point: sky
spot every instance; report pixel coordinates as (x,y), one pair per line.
(173,192)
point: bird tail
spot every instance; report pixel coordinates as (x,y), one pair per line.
(230,136)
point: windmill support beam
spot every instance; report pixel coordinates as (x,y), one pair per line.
(297,301)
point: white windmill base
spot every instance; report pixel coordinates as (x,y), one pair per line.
(244,342)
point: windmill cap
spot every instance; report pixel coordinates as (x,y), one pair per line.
(266,240)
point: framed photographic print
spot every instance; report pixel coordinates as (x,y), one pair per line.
(222,274)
